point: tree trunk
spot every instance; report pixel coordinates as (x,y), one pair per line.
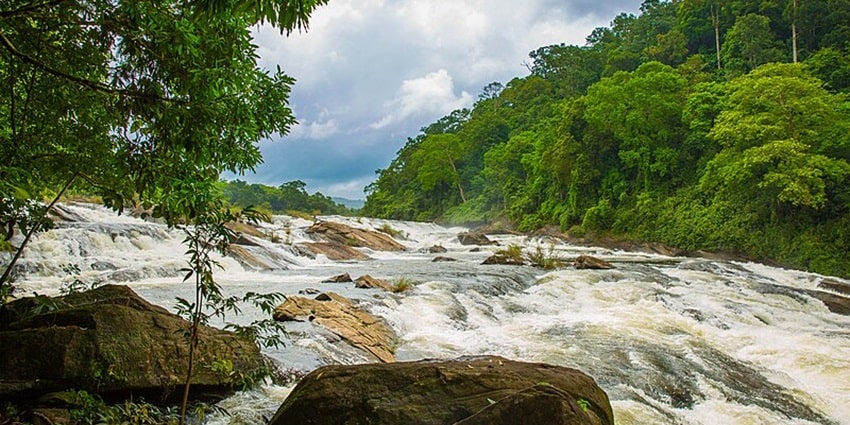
(457,178)
(794,30)
(31,231)
(715,19)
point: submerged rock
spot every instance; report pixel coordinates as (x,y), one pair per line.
(482,390)
(109,341)
(443,259)
(586,262)
(342,317)
(349,236)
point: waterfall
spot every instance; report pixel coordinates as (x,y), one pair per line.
(672,340)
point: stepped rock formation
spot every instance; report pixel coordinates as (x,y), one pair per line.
(349,236)
(471,391)
(342,317)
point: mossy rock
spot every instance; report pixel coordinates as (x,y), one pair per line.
(480,390)
(112,342)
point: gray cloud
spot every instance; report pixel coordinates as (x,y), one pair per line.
(371,73)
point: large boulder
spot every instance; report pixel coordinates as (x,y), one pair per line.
(112,342)
(481,390)
(349,236)
(342,317)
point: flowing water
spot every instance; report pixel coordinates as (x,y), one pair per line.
(671,340)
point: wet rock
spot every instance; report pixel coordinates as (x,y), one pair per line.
(475,238)
(309,291)
(835,286)
(438,249)
(504,260)
(586,262)
(108,341)
(442,259)
(353,237)
(103,266)
(343,318)
(471,391)
(334,251)
(340,278)
(367,281)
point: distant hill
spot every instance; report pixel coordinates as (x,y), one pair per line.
(354,204)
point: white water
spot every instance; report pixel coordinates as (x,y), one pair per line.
(671,340)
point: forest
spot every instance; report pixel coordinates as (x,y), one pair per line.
(702,124)
(288,198)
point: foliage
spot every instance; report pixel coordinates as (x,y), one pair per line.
(284,199)
(402,284)
(680,125)
(513,252)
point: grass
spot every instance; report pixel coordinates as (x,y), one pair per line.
(402,284)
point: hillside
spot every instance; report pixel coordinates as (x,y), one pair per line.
(705,125)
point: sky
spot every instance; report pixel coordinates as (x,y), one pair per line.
(371,73)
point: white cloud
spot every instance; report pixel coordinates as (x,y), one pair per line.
(370,73)
(432,95)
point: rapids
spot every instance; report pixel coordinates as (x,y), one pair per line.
(671,340)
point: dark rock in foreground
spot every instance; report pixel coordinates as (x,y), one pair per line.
(481,390)
(109,341)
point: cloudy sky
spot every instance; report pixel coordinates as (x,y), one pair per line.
(371,73)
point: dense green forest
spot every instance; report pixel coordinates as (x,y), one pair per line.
(706,125)
(290,197)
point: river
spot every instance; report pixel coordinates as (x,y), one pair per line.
(672,340)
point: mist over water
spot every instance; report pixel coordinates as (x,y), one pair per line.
(671,340)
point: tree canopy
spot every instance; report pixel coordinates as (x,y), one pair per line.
(688,124)
(136,99)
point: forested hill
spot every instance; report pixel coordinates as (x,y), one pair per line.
(690,124)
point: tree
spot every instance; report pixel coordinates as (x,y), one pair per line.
(785,144)
(123,97)
(436,162)
(643,111)
(750,43)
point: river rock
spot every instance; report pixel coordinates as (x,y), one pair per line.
(438,249)
(333,250)
(112,342)
(468,391)
(475,238)
(367,281)
(350,236)
(503,260)
(586,262)
(340,278)
(443,259)
(835,286)
(342,317)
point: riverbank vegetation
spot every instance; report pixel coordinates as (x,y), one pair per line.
(705,125)
(288,198)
